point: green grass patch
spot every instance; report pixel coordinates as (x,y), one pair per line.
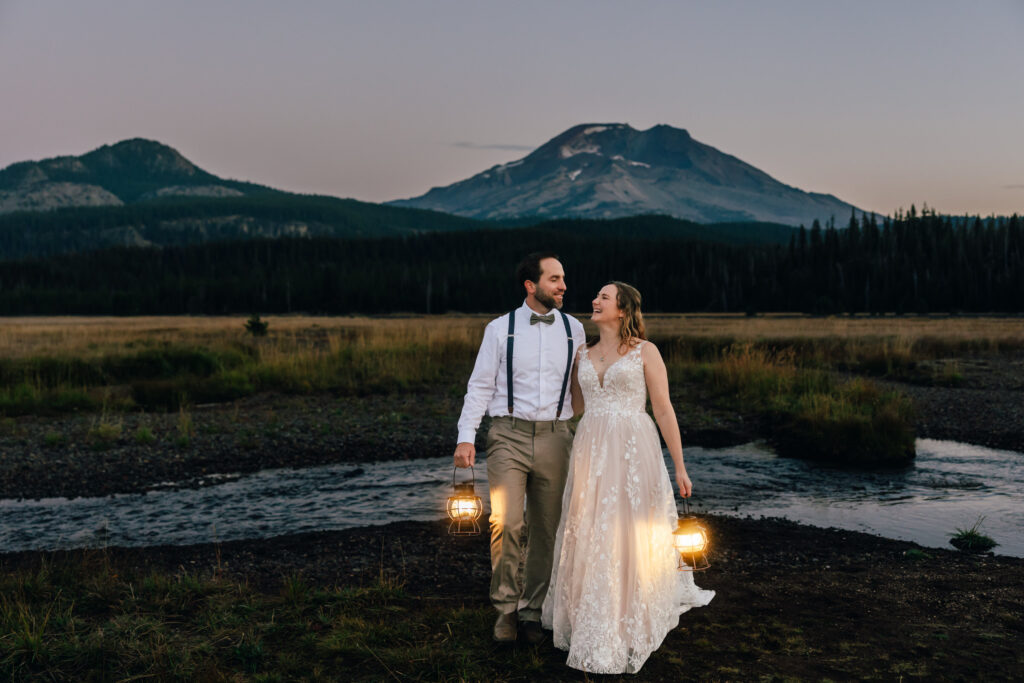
(53,439)
(89,622)
(144,435)
(26,399)
(971,540)
(105,430)
(813,415)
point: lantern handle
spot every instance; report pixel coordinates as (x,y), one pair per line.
(686,506)
(472,473)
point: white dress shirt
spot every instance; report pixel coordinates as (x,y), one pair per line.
(538,367)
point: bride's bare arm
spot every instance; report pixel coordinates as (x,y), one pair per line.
(575,393)
(664,414)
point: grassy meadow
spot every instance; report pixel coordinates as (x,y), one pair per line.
(778,366)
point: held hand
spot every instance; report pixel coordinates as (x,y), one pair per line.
(465,455)
(683,481)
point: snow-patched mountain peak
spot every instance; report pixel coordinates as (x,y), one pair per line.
(608,170)
(587,139)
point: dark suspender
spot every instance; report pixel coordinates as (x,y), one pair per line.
(508,360)
(508,357)
(568,364)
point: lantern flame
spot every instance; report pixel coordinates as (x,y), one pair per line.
(690,543)
(464,508)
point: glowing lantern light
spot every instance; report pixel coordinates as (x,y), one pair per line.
(464,509)
(691,542)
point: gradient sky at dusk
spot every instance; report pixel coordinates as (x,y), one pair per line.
(883,104)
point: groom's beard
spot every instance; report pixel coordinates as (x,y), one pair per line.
(546,299)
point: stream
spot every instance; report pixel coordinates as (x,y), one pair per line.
(951,485)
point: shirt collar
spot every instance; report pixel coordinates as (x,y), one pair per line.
(527,310)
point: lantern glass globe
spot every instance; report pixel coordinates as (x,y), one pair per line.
(691,542)
(464,508)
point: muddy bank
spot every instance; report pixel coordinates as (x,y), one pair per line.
(68,456)
(986,417)
(95,455)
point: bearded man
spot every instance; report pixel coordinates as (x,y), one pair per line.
(521,379)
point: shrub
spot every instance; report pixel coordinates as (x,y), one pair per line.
(255,326)
(105,431)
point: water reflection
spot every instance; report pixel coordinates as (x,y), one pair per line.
(949,486)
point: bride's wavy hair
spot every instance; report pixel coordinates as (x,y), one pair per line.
(631,327)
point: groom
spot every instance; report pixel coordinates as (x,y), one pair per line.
(521,379)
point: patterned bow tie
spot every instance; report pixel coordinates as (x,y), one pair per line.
(546,319)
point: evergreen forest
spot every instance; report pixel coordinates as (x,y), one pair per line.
(910,263)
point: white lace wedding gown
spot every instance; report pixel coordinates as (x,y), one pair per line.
(615,588)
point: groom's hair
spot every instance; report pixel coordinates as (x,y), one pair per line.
(529,267)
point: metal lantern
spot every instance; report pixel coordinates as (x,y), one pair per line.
(464,508)
(691,542)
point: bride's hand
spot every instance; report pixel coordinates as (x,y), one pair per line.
(684,483)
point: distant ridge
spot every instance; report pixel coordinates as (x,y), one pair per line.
(611,170)
(143,193)
(112,175)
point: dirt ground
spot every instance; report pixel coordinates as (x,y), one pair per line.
(793,602)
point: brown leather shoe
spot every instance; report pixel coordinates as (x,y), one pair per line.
(532,632)
(505,628)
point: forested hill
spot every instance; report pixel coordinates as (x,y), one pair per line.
(189,220)
(182,221)
(909,264)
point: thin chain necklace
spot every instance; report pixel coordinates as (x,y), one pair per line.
(601,357)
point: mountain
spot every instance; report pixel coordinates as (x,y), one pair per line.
(113,175)
(613,170)
(146,194)
(141,193)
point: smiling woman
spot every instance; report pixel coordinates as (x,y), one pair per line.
(615,590)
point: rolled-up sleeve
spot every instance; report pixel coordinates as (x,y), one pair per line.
(482,385)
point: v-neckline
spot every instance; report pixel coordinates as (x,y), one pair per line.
(600,376)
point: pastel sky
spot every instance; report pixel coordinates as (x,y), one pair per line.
(882,103)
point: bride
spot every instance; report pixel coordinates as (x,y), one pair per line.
(615,588)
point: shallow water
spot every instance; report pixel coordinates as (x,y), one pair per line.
(950,485)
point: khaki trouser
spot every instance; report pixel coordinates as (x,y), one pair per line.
(525,460)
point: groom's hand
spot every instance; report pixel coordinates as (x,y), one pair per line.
(465,455)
